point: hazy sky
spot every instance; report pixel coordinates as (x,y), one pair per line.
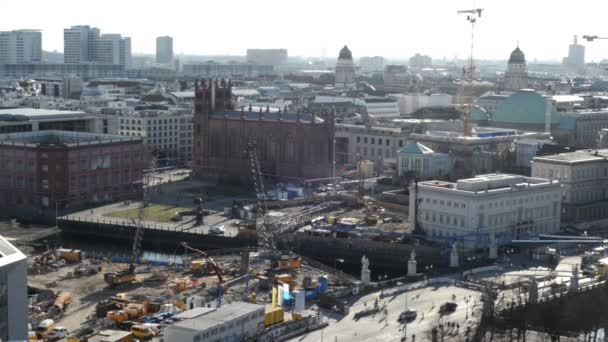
(389,28)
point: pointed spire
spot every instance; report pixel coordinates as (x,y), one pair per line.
(267,108)
(250,108)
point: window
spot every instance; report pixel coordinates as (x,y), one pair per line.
(400,143)
(379,141)
(365,140)
(373,141)
(45,168)
(388,142)
(358,139)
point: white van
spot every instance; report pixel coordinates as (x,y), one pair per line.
(217,229)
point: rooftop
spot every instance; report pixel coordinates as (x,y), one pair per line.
(109,336)
(416,148)
(9,253)
(581,156)
(223,314)
(490,183)
(38,114)
(267,116)
(65,138)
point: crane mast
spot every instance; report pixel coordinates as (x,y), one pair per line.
(265,235)
(472,15)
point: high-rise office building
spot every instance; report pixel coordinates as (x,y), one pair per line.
(85,44)
(79,43)
(113,49)
(274,57)
(20,46)
(164,49)
(576,56)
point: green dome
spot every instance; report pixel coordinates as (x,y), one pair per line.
(345,53)
(517,56)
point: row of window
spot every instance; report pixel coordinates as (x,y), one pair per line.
(379,141)
(372,152)
(230,326)
(448,204)
(154,121)
(455,220)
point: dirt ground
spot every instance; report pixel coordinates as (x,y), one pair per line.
(87,291)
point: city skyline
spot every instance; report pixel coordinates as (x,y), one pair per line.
(543,32)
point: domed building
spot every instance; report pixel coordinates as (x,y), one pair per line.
(345,70)
(524,109)
(516,76)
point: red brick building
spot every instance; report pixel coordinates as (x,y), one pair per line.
(44,170)
(290,146)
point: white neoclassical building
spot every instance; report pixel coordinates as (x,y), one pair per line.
(472,209)
(345,70)
(418,160)
(584,178)
(516,76)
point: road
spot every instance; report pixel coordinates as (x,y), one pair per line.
(425,301)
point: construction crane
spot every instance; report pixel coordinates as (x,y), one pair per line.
(214,266)
(472,16)
(265,236)
(591,38)
(128,276)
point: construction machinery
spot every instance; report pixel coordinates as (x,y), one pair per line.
(265,235)
(128,276)
(210,261)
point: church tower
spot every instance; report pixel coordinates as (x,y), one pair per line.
(516,76)
(345,70)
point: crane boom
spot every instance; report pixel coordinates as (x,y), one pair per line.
(215,267)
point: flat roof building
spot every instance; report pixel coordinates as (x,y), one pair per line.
(44,173)
(238,321)
(472,209)
(584,178)
(13,293)
(31,119)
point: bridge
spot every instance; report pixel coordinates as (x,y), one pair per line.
(290,223)
(44,234)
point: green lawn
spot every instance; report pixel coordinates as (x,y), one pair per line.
(154,212)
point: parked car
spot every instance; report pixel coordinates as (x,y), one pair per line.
(142,332)
(407,316)
(217,229)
